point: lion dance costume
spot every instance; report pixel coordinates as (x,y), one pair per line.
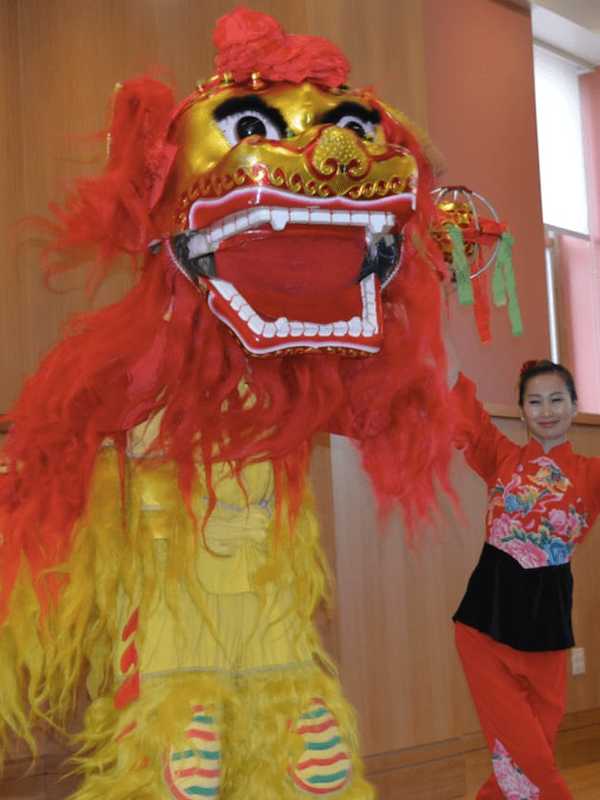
(158,537)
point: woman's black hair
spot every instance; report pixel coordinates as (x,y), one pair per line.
(532,369)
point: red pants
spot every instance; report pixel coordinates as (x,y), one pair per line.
(520,699)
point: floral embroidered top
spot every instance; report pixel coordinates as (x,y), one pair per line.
(540,505)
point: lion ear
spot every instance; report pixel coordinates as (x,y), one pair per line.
(111,213)
(138,150)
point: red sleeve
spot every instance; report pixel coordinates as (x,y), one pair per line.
(475,434)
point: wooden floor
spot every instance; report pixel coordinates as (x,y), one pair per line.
(584,782)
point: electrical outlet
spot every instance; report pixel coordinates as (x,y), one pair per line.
(578,661)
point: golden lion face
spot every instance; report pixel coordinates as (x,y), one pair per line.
(286,205)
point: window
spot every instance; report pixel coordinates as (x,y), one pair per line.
(560,141)
(572,262)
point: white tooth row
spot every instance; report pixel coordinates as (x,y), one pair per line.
(284,328)
(369,301)
(208,239)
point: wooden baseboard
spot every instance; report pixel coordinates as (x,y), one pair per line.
(450,769)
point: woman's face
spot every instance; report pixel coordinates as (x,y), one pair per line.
(548,410)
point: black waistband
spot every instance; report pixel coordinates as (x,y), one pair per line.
(528,609)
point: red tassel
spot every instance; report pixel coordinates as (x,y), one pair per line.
(481,295)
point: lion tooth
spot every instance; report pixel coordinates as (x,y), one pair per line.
(319,216)
(279,218)
(296,328)
(299,215)
(241,222)
(368,285)
(340,328)
(215,234)
(225,289)
(359,217)
(245,312)
(368,329)
(198,246)
(325,330)
(311,328)
(376,222)
(256,324)
(341,218)
(269,330)
(282,326)
(237,302)
(355,326)
(258,216)
(370,318)
(228,227)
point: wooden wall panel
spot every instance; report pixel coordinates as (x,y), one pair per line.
(584,690)
(59,61)
(11,205)
(396,650)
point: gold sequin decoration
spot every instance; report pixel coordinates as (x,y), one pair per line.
(338,151)
(219,185)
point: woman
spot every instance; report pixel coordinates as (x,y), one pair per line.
(513,626)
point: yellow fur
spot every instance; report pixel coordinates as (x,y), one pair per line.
(224,621)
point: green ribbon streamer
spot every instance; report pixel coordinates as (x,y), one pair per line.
(504,287)
(460,266)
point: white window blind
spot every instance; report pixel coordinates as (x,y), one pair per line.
(560,141)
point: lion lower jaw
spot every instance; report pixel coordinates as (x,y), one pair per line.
(261,336)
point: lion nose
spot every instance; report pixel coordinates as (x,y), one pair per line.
(338,152)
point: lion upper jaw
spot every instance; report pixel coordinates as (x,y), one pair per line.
(207,240)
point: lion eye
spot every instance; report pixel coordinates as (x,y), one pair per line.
(362,128)
(242,124)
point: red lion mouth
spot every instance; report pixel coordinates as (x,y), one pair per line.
(286,272)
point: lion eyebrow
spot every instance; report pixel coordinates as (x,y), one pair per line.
(351,109)
(250,102)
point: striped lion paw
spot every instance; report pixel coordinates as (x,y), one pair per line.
(325,766)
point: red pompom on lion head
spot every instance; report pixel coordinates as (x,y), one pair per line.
(248,41)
